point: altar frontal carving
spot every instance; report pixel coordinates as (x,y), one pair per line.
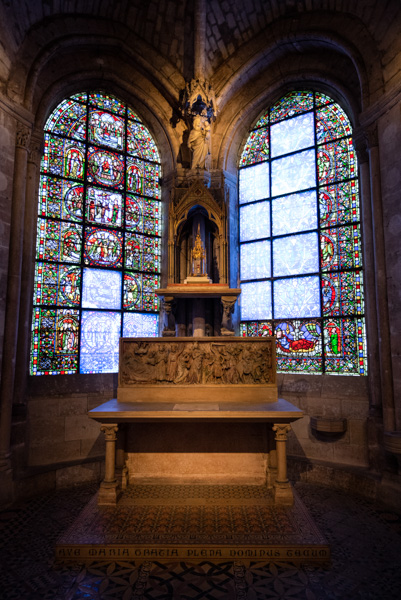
(196,362)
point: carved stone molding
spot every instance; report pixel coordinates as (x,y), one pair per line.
(23,136)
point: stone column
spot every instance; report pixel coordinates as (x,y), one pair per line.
(25,315)
(383,324)
(12,305)
(199,40)
(109,492)
(282,487)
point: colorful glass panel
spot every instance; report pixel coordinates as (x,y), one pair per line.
(142,215)
(60,198)
(254,221)
(293,134)
(336,161)
(87,219)
(316,286)
(55,335)
(106,129)
(340,248)
(107,102)
(142,253)
(105,168)
(292,104)
(143,178)
(103,247)
(331,123)
(256,329)
(339,204)
(299,344)
(345,346)
(263,120)
(294,213)
(322,99)
(103,207)
(69,120)
(137,325)
(58,241)
(57,285)
(342,293)
(100,334)
(63,157)
(139,291)
(256,148)
(140,142)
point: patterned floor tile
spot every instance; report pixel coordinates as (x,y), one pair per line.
(365,545)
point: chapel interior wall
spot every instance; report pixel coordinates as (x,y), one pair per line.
(55,437)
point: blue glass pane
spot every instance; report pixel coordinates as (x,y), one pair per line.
(137,325)
(296,255)
(254,221)
(255,260)
(254,183)
(296,297)
(99,342)
(295,213)
(256,302)
(291,135)
(101,289)
(293,173)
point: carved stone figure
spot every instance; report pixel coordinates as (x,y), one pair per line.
(199,141)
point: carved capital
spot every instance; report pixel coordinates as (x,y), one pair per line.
(23,136)
(361,144)
(281,431)
(35,150)
(372,137)
(110,432)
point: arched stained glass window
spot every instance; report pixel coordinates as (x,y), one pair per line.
(98,236)
(300,238)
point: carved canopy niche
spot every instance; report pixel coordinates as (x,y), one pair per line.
(197,209)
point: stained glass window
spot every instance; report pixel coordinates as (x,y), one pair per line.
(98,236)
(300,238)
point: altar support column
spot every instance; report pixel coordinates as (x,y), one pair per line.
(282,487)
(109,492)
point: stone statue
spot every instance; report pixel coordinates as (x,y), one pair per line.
(199,141)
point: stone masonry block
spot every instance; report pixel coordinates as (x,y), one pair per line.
(53,453)
(46,431)
(80,428)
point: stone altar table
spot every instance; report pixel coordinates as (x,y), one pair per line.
(201,383)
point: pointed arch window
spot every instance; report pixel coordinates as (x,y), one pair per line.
(98,236)
(300,237)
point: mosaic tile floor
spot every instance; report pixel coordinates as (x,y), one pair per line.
(365,545)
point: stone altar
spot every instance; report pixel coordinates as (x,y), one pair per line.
(199,410)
